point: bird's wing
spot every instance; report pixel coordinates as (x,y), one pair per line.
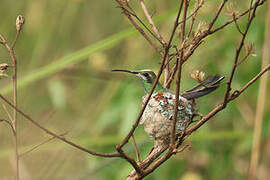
(205,87)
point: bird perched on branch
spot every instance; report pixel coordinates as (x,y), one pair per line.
(158,114)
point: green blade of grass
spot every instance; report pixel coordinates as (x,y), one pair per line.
(111,140)
(75,57)
(78,56)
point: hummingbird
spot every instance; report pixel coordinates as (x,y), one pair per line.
(158,114)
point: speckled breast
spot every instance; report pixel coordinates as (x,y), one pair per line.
(158,115)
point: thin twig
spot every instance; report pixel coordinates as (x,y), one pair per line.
(14,80)
(179,68)
(133,13)
(220,106)
(134,126)
(237,54)
(236,24)
(198,40)
(151,22)
(137,152)
(9,123)
(194,44)
(167,66)
(194,14)
(236,93)
(182,149)
(15,40)
(250,5)
(159,37)
(40,144)
(154,154)
(8,114)
(129,16)
(27,117)
(191,26)
(126,139)
(243,59)
(174,68)
(217,14)
(237,17)
(131,161)
(158,162)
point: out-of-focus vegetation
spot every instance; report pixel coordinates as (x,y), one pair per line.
(65,53)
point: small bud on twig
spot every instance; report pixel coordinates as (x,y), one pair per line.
(231,10)
(3,68)
(250,50)
(201,28)
(200,2)
(198,75)
(19,22)
(124,2)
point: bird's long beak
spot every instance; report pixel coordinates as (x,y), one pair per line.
(122,70)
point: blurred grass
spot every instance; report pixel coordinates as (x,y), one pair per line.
(70,59)
(110,141)
(78,56)
(66,51)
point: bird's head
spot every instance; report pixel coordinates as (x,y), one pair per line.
(147,78)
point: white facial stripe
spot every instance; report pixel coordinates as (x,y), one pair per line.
(143,77)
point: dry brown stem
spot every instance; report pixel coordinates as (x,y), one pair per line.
(262,97)
(10,49)
(27,117)
(185,47)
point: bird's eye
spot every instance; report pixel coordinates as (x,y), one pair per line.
(146,74)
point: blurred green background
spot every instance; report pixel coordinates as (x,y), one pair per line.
(65,53)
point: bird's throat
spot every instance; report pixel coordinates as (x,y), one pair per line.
(149,86)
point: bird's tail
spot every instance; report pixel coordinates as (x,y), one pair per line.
(208,85)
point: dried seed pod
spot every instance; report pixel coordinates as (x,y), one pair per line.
(198,75)
(19,22)
(3,66)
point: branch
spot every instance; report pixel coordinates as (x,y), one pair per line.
(19,24)
(237,17)
(154,154)
(9,123)
(179,68)
(151,22)
(129,16)
(236,24)
(236,93)
(217,14)
(137,152)
(198,40)
(134,126)
(182,57)
(220,106)
(131,161)
(27,117)
(194,14)
(8,114)
(40,144)
(237,53)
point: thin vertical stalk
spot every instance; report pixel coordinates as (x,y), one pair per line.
(255,152)
(14,81)
(179,68)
